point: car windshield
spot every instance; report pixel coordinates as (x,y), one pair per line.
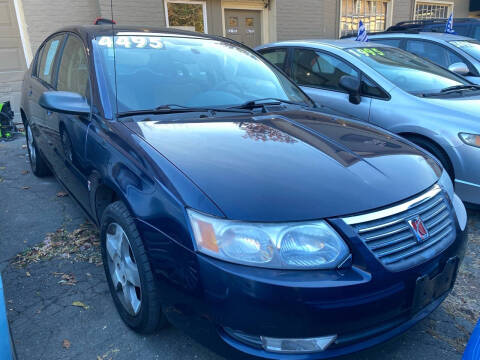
(407,71)
(187,71)
(471,47)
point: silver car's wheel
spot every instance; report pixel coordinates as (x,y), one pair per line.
(123,269)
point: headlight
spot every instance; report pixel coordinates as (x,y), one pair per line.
(307,245)
(446,183)
(470,139)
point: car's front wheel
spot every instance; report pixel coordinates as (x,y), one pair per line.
(128,271)
(37,163)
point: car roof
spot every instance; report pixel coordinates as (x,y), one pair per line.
(421,35)
(106,29)
(339,44)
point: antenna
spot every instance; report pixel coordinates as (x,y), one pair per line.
(114,59)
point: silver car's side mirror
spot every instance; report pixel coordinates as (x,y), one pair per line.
(351,85)
(459,68)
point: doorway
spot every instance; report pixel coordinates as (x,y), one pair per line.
(244,26)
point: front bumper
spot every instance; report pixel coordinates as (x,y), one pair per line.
(363,305)
(467,173)
(469,192)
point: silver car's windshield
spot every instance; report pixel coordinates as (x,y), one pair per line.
(153,71)
(407,71)
(471,47)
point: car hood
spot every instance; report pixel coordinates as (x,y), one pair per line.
(290,166)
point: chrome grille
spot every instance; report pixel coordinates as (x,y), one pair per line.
(390,238)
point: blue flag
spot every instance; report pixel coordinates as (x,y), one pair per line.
(362,32)
(449,25)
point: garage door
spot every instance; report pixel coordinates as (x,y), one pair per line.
(243,26)
(12,60)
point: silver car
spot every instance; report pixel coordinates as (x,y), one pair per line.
(399,91)
(456,53)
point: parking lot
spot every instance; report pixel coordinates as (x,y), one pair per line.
(59,305)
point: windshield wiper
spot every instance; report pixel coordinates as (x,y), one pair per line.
(175,109)
(252,104)
(460,88)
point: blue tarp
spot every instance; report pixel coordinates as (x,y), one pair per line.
(6,351)
(472,352)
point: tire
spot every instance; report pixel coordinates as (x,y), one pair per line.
(436,151)
(37,163)
(136,298)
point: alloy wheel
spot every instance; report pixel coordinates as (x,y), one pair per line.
(123,269)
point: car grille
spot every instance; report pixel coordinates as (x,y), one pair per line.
(390,238)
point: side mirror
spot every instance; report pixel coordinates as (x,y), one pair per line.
(351,85)
(64,102)
(459,68)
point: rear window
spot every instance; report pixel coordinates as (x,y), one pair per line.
(391,42)
(47,59)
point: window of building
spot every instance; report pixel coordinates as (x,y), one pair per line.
(432,10)
(187,15)
(373,14)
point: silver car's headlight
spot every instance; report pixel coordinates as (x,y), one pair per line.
(446,183)
(470,139)
(306,245)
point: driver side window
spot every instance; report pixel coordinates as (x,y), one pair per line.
(73,71)
(317,69)
(433,52)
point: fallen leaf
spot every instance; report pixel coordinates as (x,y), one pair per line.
(68,279)
(80,304)
(66,344)
(24,146)
(25,172)
(28,274)
(25,187)
(62,194)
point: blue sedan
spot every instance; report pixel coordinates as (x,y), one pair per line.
(232,207)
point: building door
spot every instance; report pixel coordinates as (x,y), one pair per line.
(12,59)
(243,26)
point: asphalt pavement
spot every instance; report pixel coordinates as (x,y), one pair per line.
(60,308)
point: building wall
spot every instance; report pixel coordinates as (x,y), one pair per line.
(44,17)
(461,8)
(307,19)
(214,17)
(402,11)
(128,12)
